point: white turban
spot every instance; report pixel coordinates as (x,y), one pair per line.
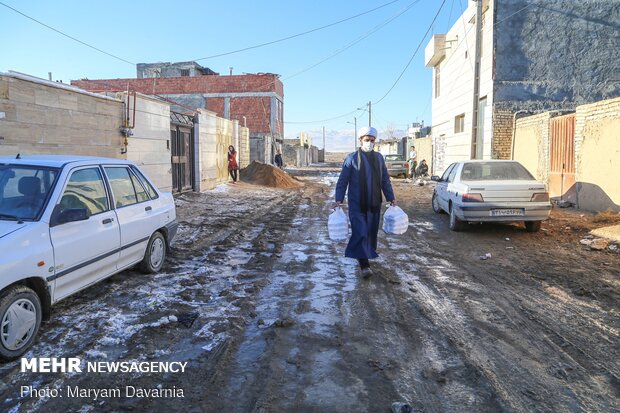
(367,131)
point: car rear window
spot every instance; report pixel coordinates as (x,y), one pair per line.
(393,157)
(495,171)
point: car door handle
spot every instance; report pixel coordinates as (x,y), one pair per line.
(148,208)
(107,221)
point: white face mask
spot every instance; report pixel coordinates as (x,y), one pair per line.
(367,146)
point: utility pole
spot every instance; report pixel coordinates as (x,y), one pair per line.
(323,139)
(474,117)
(369,111)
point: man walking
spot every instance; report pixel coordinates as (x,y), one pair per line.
(364,177)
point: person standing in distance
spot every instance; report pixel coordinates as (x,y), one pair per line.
(413,162)
(364,177)
(232,163)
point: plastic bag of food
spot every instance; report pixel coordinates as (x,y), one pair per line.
(338,225)
(395,221)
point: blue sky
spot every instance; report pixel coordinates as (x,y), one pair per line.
(144,32)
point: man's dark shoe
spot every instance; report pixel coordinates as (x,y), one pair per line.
(366,273)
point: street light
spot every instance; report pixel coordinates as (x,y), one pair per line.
(354,132)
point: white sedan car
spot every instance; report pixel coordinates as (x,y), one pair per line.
(490,191)
(67,222)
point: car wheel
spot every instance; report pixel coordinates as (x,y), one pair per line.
(20,319)
(435,203)
(455,223)
(155,254)
(532,226)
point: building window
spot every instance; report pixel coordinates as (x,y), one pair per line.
(184,72)
(437,79)
(459,123)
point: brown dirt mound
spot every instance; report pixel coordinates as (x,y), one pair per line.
(258,173)
(607,217)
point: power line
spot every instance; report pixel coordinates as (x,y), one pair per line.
(66,35)
(356,41)
(517,12)
(337,52)
(330,119)
(298,34)
(414,53)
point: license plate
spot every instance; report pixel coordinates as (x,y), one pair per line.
(507,212)
(397,165)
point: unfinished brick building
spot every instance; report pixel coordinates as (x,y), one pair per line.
(255,100)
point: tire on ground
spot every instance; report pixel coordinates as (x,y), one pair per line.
(22,298)
(155,254)
(455,223)
(436,208)
(532,226)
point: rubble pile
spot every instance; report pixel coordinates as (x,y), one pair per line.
(258,173)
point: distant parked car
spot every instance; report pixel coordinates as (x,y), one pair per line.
(67,222)
(396,165)
(490,191)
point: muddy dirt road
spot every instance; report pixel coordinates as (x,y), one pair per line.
(271,317)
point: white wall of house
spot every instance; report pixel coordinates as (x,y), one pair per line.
(149,146)
(453,54)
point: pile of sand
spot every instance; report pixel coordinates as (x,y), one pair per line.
(258,173)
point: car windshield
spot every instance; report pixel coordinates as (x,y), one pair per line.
(495,171)
(393,157)
(24,190)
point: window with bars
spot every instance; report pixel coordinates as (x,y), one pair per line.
(184,72)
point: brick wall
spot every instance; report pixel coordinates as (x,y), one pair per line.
(196,84)
(501,144)
(256,109)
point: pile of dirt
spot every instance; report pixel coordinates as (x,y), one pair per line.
(607,217)
(258,173)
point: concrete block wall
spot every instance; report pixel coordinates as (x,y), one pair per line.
(531,144)
(244,147)
(42,117)
(207,152)
(424,147)
(289,154)
(597,152)
(597,155)
(149,146)
(215,134)
(224,138)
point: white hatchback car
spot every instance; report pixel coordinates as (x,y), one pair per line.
(490,191)
(67,222)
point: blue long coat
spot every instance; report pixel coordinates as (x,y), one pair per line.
(364,225)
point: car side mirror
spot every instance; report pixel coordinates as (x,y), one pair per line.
(435,178)
(62,216)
